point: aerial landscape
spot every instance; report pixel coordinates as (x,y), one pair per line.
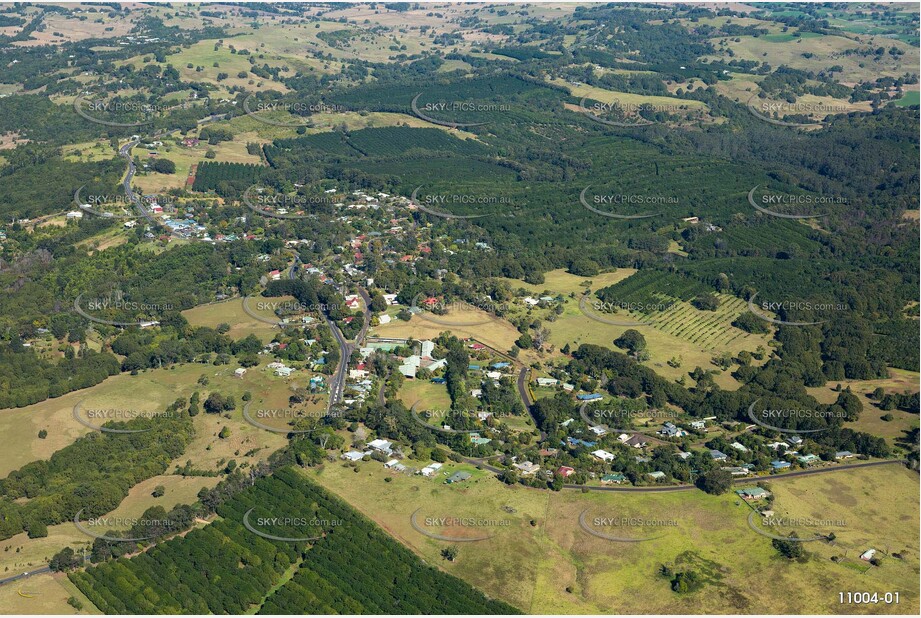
(552,308)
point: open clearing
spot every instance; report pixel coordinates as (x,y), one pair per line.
(542,561)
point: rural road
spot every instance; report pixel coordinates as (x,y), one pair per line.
(743,481)
(526,398)
(14,578)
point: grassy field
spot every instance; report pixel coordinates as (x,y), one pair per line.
(231,312)
(184,158)
(149,391)
(429,396)
(544,562)
(870,420)
(670,104)
(912,97)
(492,331)
(44,594)
(826,50)
(681,331)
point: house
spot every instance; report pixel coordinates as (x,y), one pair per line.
(683,456)
(475,438)
(598,431)
(753,493)
(808,460)
(380,445)
(284,372)
(736,470)
(547,381)
(718,456)
(457,477)
(438,381)
(353,456)
(868,555)
(430,469)
(780,465)
(472,367)
(476,392)
(795,440)
(569,387)
(844,455)
(528,300)
(427,348)
(622,438)
(384,319)
(776,445)
(390,464)
(698,425)
(357,374)
(637,441)
(608,479)
(592,397)
(239,372)
(275,275)
(603,455)
(565,471)
(739,447)
(74,214)
(527,468)
(657,475)
(670,430)
(494,375)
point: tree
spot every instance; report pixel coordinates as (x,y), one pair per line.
(43,434)
(158,491)
(631,340)
(449,553)
(163,166)
(792,549)
(715,482)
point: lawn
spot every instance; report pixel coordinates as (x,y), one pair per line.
(231,312)
(912,97)
(429,396)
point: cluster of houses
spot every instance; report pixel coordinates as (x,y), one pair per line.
(386,449)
